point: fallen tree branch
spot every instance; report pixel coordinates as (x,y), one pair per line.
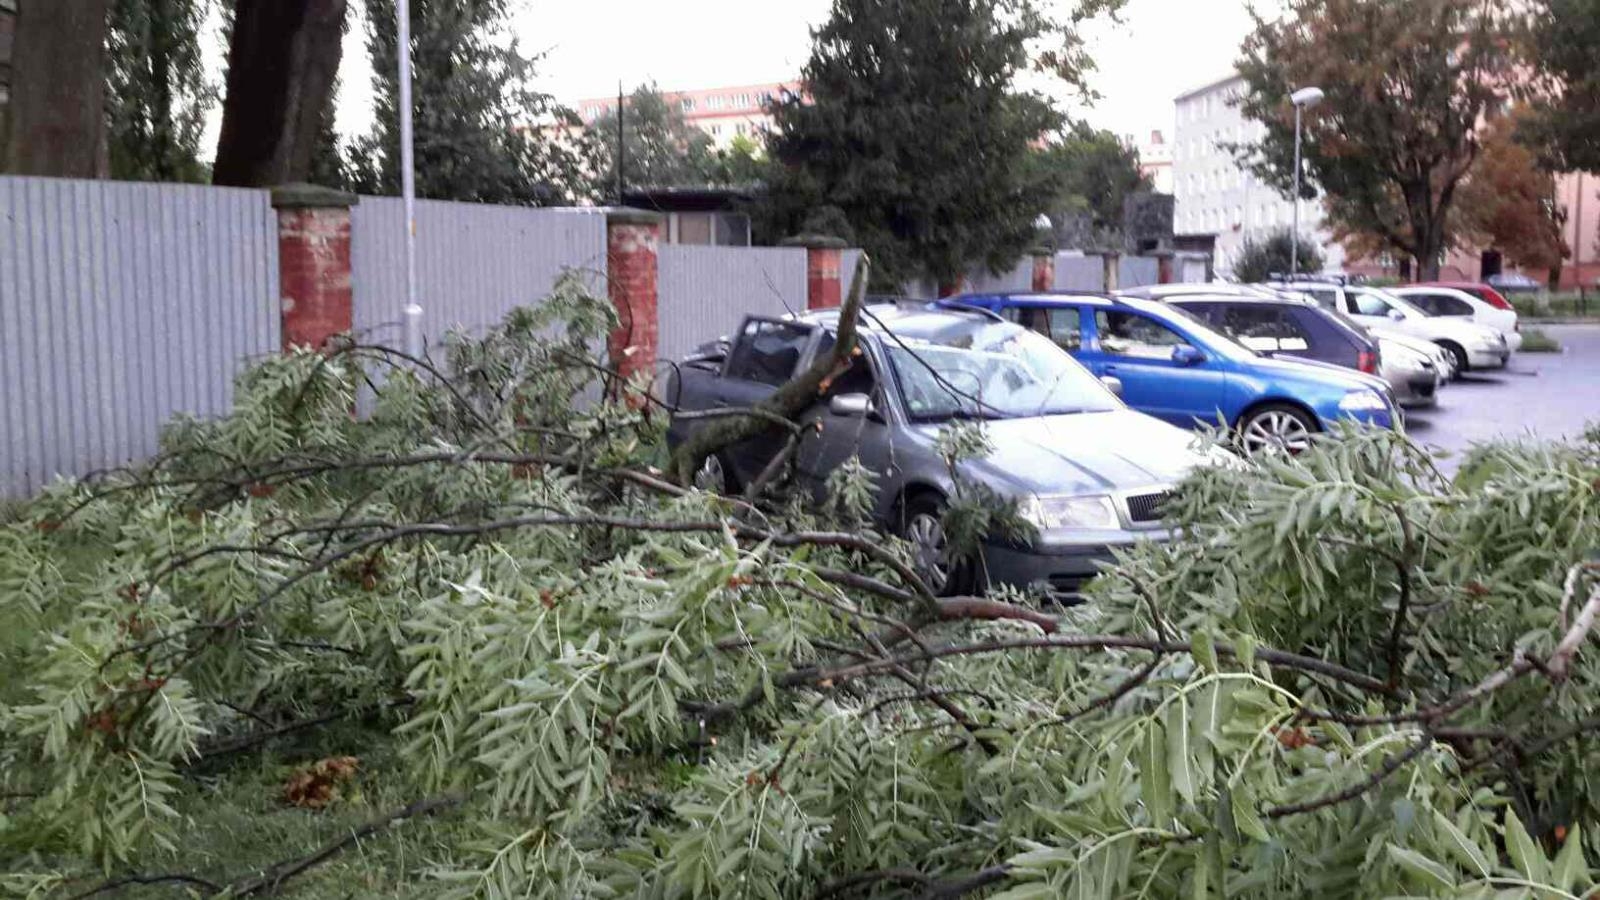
(117,884)
(1390,766)
(275,875)
(791,399)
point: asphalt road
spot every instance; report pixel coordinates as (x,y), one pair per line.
(1544,396)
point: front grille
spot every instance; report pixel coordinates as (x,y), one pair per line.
(1147,507)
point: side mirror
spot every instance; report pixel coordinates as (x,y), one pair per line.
(851,405)
(1185,355)
(1397,315)
(1112,383)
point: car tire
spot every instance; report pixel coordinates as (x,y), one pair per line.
(1459,355)
(1275,427)
(922,524)
(715,475)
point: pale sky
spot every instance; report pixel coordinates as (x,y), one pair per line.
(1160,49)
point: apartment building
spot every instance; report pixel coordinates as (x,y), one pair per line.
(1217,197)
(724,113)
(1155,159)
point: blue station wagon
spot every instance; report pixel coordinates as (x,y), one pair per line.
(1176,368)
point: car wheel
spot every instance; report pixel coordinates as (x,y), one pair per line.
(1458,354)
(713,475)
(1276,428)
(922,523)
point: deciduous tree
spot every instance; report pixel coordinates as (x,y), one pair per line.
(57,122)
(1096,172)
(1564,46)
(1407,83)
(282,64)
(1508,202)
(660,149)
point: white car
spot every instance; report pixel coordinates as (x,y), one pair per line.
(1449,303)
(1472,345)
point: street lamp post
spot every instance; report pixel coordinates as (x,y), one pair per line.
(1302,99)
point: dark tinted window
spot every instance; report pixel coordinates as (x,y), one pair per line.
(1446,305)
(768,352)
(1263,327)
(1058,323)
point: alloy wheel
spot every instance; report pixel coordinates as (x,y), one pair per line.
(1275,431)
(929,551)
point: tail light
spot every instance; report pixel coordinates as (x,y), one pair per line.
(1367,361)
(1494,299)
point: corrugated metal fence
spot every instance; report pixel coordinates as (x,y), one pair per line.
(1136,271)
(474,262)
(1076,272)
(120,305)
(704,291)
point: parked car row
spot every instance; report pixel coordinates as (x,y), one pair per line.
(1089,401)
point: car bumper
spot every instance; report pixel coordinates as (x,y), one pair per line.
(1514,341)
(1420,390)
(1489,359)
(1062,570)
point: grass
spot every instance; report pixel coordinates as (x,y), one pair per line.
(1534,340)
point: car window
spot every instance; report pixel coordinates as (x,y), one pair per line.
(1451,306)
(857,378)
(1133,335)
(768,352)
(1428,303)
(1262,327)
(1365,303)
(1058,323)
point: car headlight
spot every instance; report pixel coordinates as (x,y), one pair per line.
(1363,401)
(1050,512)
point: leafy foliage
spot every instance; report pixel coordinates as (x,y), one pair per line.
(660,148)
(1565,122)
(482,132)
(1407,84)
(1096,172)
(1508,202)
(1346,676)
(157,95)
(913,125)
(1263,258)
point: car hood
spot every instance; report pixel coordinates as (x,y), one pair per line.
(1085,453)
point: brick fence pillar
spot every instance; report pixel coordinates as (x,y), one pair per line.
(824,282)
(1113,268)
(633,237)
(1166,268)
(1044,269)
(313,263)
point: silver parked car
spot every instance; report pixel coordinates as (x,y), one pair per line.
(1087,472)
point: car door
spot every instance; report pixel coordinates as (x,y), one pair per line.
(766,354)
(837,437)
(1139,351)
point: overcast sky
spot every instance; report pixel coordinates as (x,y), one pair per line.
(1160,49)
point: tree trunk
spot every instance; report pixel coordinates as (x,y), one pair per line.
(281,71)
(1405,267)
(58,118)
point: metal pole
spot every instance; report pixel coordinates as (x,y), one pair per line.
(408,182)
(1294,237)
(622,144)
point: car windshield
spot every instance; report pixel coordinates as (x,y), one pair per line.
(1392,300)
(991,370)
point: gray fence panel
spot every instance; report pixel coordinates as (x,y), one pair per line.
(1080,273)
(120,305)
(1134,271)
(474,262)
(705,291)
(1019,278)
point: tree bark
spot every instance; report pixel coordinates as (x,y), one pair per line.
(58,119)
(281,71)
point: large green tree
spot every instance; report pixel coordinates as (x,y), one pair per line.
(1408,83)
(1096,172)
(157,94)
(56,121)
(482,133)
(659,147)
(912,124)
(1564,42)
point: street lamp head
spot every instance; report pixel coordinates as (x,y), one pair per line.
(1306,97)
(1043,223)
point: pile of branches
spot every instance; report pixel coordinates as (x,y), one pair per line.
(1348,676)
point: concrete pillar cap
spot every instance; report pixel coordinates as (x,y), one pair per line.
(814,242)
(302,195)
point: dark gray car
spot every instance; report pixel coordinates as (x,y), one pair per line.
(1088,472)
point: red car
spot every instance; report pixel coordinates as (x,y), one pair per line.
(1482,291)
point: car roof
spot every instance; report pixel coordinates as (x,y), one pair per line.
(922,319)
(1044,298)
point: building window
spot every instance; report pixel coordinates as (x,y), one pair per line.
(687,104)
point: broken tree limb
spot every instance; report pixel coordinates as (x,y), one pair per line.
(788,402)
